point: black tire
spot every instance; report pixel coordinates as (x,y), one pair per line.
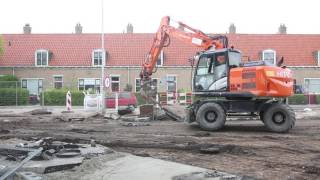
(279,118)
(211,116)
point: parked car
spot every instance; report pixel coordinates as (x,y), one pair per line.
(126,99)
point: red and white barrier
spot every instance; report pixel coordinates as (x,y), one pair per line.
(68,101)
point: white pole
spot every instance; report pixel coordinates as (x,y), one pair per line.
(103,61)
(117,101)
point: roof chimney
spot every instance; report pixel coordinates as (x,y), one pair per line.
(282,29)
(27,29)
(232,29)
(129,28)
(78,28)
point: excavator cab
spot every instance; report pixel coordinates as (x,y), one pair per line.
(212,70)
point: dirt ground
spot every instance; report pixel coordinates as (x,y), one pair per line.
(243,147)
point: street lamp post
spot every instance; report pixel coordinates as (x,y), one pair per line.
(103,62)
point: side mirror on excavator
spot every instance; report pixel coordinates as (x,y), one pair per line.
(280,62)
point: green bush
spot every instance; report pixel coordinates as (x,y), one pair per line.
(140,99)
(318,99)
(57,97)
(8,78)
(298,99)
(8,96)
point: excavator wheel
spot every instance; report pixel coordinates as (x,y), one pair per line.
(279,118)
(211,116)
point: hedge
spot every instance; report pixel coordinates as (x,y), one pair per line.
(140,99)
(8,78)
(298,99)
(8,96)
(57,97)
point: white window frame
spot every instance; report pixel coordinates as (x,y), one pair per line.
(135,84)
(269,51)
(40,85)
(161,55)
(304,84)
(84,85)
(176,81)
(54,80)
(35,57)
(103,61)
(115,75)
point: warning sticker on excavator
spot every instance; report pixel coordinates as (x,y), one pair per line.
(196,41)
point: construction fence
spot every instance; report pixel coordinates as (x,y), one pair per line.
(15,93)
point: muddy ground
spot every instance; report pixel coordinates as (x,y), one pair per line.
(243,147)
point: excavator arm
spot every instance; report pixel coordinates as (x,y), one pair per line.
(182,32)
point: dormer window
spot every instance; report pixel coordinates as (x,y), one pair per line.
(97,57)
(160,59)
(269,56)
(41,57)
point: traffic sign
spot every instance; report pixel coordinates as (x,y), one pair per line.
(107,82)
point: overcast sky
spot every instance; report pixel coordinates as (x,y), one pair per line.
(211,16)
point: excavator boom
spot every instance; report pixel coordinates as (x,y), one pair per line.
(184,33)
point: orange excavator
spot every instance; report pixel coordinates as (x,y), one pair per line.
(229,87)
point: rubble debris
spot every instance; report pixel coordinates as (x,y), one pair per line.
(160,114)
(135,118)
(4,131)
(26,175)
(111,116)
(210,150)
(47,155)
(202,134)
(210,175)
(30,156)
(135,124)
(3,169)
(126,110)
(93,143)
(146,110)
(307,109)
(40,112)
(175,112)
(67,153)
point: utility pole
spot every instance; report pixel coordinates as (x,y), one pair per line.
(103,62)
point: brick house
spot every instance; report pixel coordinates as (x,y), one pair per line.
(43,61)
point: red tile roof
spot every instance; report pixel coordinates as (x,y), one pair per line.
(130,49)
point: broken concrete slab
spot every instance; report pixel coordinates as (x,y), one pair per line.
(52,165)
(25,175)
(138,168)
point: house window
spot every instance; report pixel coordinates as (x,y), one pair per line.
(24,83)
(58,81)
(154,84)
(138,84)
(312,85)
(97,57)
(34,85)
(160,59)
(115,83)
(171,83)
(269,56)
(41,57)
(89,84)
